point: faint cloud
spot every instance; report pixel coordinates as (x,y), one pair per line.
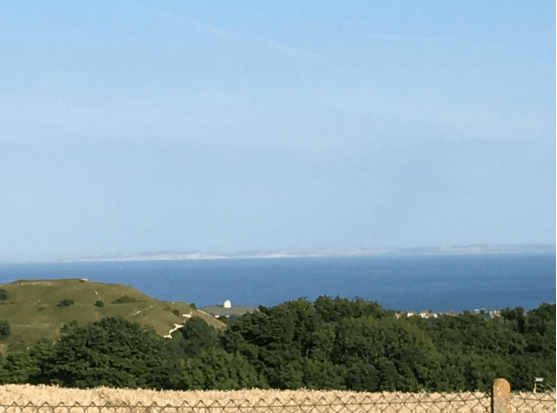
(289,50)
(203,27)
(226,35)
(207,28)
(397,38)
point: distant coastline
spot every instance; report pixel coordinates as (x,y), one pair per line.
(316,253)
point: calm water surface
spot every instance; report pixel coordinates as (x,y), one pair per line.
(439,283)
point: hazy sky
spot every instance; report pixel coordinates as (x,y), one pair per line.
(144,126)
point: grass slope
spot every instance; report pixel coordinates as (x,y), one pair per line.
(32,311)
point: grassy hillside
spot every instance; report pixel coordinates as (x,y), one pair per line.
(33,311)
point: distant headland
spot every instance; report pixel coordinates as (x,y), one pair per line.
(320,252)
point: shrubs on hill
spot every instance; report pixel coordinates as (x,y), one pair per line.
(99,303)
(124,299)
(3,294)
(5,329)
(66,302)
(68,328)
(225,320)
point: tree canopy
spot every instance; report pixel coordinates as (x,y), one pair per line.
(331,343)
(111,352)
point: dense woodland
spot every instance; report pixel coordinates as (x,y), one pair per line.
(331,343)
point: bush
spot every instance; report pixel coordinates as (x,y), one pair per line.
(68,328)
(4,329)
(214,368)
(25,367)
(3,294)
(66,302)
(198,336)
(176,311)
(99,303)
(124,299)
(224,319)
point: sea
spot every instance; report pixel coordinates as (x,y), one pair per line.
(406,282)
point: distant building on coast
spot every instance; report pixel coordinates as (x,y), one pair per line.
(494,313)
(431,314)
(226,304)
(428,314)
(423,314)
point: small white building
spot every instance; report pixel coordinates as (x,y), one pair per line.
(427,314)
(494,313)
(226,304)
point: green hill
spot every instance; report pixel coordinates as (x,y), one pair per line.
(35,309)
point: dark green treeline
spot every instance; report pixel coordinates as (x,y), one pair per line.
(326,344)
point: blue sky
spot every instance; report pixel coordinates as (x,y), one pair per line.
(143,126)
